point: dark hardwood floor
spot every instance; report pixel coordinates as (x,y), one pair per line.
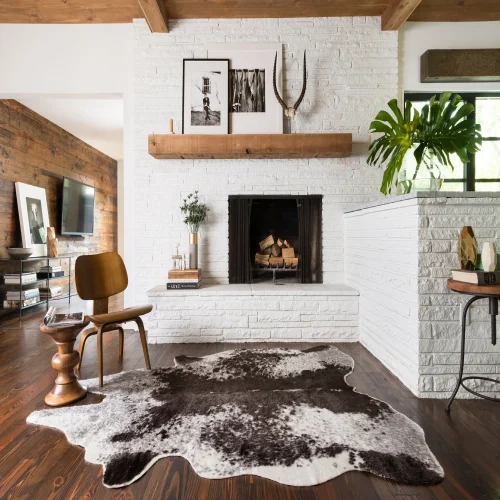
(38,462)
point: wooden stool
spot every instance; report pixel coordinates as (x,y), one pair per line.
(67,388)
(491,292)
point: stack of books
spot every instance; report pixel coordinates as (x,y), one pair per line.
(476,277)
(50,272)
(184,279)
(16,298)
(50,292)
(17,278)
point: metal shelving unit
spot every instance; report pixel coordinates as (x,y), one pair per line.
(23,264)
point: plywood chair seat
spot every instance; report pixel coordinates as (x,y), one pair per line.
(97,278)
(123,316)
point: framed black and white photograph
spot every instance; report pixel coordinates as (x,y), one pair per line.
(253,108)
(205,96)
(33,217)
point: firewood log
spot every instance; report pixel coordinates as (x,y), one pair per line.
(286,244)
(276,261)
(291,263)
(288,253)
(269,241)
(275,250)
(262,260)
(266,251)
(279,242)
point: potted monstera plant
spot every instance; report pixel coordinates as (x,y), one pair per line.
(434,134)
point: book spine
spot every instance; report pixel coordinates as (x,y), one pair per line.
(492,278)
(182,286)
(187,280)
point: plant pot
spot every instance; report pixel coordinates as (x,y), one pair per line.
(193,250)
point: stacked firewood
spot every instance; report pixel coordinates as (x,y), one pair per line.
(276,254)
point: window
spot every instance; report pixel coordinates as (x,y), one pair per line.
(482,172)
(206,85)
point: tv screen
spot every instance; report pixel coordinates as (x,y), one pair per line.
(77,208)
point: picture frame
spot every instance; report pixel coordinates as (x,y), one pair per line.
(33,217)
(205,84)
(251,65)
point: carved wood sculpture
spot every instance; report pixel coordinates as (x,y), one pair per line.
(290,111)
(52,245)
(467,248)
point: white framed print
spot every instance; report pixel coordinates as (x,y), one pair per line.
(33,217)
(205,96)
(253,107)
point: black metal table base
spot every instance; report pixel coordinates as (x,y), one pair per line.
(461,379)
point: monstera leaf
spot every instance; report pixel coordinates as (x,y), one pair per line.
(441,128)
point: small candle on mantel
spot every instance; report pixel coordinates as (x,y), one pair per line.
(171,126)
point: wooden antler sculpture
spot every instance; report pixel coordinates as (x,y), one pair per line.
(290,112)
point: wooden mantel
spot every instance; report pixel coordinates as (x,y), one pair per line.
(170,146)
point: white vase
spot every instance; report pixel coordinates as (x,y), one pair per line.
(489,256)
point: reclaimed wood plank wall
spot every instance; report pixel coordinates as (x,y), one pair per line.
(35,151)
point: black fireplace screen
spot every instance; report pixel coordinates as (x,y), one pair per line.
(291,221)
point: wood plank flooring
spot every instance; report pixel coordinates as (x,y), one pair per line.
(38,462)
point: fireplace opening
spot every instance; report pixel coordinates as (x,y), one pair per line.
(275,238)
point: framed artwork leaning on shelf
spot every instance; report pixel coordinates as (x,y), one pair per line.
(33,217)
(205,96)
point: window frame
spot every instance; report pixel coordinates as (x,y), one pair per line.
(469,177)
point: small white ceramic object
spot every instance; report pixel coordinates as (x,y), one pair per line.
(489,256)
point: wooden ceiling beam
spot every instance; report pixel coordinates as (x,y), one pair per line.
(457,11)
(156,15)
(397,12)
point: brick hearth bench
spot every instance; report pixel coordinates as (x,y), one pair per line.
(261,312)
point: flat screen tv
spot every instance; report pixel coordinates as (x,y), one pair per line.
(77,208)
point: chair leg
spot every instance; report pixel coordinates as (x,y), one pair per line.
(120,341)
(85,335)
(144,342)
(99,356)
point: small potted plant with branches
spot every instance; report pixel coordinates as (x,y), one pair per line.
(194,215)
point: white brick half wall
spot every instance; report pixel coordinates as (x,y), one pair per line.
(352,68)
(399,256)
(262,312)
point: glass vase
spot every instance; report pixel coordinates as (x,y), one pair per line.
(427,177)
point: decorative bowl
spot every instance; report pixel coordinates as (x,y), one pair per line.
(19,253)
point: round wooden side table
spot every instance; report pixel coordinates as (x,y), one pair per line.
(492,293)
(67,388)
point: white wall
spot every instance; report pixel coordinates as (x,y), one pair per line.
(416,38)
(352,68)
(381,262)
(64,58)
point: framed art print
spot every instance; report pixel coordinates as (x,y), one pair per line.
(253,107)
(33,217)
(205,96)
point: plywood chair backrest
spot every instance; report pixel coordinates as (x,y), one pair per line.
(100,276)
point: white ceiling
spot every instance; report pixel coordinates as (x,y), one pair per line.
(98,121)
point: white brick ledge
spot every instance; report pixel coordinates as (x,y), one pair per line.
(259,313)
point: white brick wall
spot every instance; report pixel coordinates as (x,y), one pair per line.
(352,67)
(441,220)
(408,318)
(381,261)
(262,313)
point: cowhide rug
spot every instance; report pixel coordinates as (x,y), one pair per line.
(283,414)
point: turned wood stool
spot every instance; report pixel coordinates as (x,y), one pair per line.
(67,388)
(492,293)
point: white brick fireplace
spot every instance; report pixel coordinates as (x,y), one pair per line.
(352,68)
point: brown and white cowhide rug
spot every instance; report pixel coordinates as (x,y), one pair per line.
(283,414)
